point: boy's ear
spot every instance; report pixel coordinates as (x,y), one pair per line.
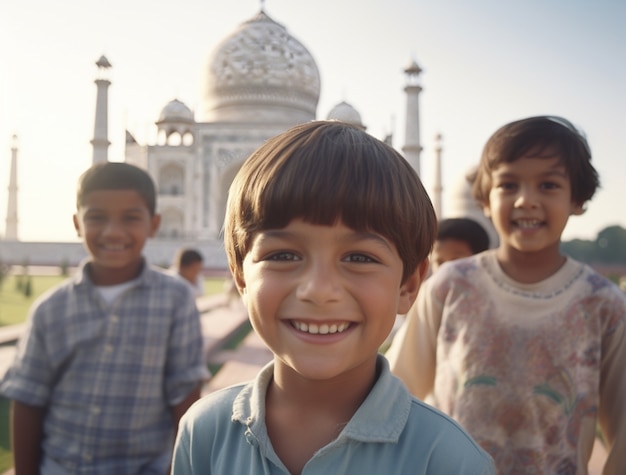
(409,289)
(155,222)
(486,210)
(577,209)
(240,283)
(76,224)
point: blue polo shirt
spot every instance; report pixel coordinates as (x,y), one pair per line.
(391,433)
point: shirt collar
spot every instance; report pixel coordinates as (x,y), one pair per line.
(82,275)
(380,418)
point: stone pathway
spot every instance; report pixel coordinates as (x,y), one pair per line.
(241,364)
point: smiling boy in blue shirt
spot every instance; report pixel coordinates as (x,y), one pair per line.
(327,233)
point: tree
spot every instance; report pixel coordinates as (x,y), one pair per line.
(28,287)
(611,245)
(4,271)
(581,250)
(64,268)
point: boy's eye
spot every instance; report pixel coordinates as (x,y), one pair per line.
(507,186)
(94,218)
(548,185)
(282,256)
(362,258)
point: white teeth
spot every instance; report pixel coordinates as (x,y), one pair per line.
(114,247)
(322,329)
(527,224)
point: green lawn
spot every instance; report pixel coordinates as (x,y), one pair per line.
(213,285)
(14,305)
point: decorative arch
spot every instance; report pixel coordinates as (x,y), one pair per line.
(172,180)
(175,136)
(187,138)
(172,223)
(226,178)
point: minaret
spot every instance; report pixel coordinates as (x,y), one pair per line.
(437,187)
(412,147)
(10,233)
(100,141)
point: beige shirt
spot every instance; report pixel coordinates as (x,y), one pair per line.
(528,369)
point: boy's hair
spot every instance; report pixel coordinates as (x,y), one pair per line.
(466,230)
(117,176)
(323,172)
(186,257)
(536,135)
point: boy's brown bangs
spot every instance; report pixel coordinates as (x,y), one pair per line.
(538,146)
(323,173)
(117,176)
(542,137)
(321,187)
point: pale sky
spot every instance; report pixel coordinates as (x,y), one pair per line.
(485,63)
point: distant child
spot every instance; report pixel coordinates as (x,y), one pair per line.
(327,234)
(188,266)
(522,345)
(113,356)
(457,238)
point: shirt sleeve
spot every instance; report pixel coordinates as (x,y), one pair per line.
(612,408)
(30,377)
(185,368)
(412,354)
(181,461)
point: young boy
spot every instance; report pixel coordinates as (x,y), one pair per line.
(188,266)
(522,345)
(113,356)
(457,238)
(327,234)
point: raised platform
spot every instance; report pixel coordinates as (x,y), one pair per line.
(158,251)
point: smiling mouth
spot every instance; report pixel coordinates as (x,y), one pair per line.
(320,329)
(113,247)
(527,223)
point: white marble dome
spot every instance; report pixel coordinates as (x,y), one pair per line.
(344,112)
(260,73)
(175,111)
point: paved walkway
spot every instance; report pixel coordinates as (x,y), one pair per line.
(239,365)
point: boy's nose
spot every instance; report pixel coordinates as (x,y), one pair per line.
(319,284)
(526,198)
(112,226)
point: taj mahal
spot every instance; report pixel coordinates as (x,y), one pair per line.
(257,82)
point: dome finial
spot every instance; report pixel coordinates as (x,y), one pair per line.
(262,5)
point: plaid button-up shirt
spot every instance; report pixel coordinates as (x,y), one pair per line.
(108,375)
